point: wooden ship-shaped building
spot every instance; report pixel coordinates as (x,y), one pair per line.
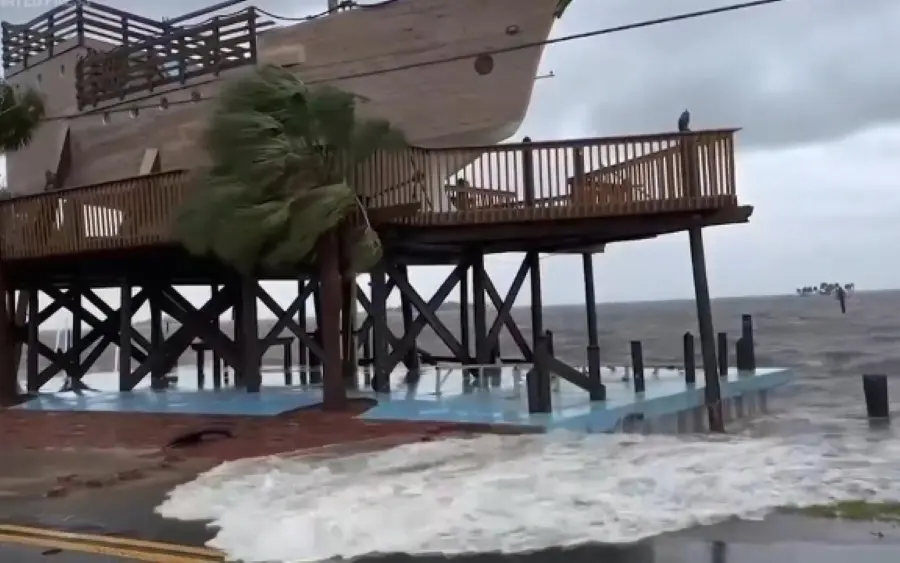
(95,193)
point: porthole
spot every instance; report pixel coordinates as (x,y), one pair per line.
(484,64)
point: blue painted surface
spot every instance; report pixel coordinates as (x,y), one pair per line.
(507,404)
(440,396)
(225,402)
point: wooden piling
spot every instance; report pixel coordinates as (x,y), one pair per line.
(637,366)
(288,362)
(690,360)
(749,342)
(875,390)
(537,380)
(722,354)
(201,361)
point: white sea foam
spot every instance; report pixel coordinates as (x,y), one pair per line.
(520,493)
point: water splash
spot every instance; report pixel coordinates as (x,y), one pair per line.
(515,494)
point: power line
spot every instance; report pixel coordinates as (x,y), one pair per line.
(445,60)
(563,39)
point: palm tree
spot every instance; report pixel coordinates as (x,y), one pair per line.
(276,191)
(20,116)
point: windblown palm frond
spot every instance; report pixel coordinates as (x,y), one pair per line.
(20,115)
(282,154)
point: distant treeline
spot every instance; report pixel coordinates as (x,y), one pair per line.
(825,288)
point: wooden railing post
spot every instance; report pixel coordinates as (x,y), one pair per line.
(215,49)
(79,22)
(251,26)
(528,172)
(51,35)
(690,166)
(182,59)
(580,190)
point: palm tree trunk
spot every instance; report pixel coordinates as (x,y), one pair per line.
(334,392)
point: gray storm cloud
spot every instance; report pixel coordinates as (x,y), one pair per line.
(796,72)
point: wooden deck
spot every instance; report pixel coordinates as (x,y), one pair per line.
(593,182)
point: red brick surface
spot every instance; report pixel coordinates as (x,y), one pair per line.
(253,436)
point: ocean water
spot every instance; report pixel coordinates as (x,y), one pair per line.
(533,493)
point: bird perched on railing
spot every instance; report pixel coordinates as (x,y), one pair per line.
(684,122)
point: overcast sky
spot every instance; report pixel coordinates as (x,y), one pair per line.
(812,83)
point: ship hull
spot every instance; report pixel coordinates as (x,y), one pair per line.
(436,105)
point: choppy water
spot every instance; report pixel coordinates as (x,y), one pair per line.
(515,494)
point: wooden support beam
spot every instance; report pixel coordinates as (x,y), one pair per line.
(381,358)
(108,327)
(34,383)
(411,360)
(150,162)
(427,315)
(181,339)
(286,320)
(504,312)
(68,301)
(479,307)
(157,337)
(126,311)
(349,347)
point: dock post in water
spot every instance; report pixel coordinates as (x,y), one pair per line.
(537,380)
(690,359)
(637,366)
(201,364)
(288,361)
(749,344)
(722,354)
(875,389)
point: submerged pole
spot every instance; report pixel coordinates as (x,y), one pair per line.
(875,389)
(598,393)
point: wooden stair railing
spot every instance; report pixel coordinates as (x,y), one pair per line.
(464,197)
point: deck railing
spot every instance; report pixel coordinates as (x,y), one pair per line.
(516,182)
(68,26)
(586,177)
(220,44)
